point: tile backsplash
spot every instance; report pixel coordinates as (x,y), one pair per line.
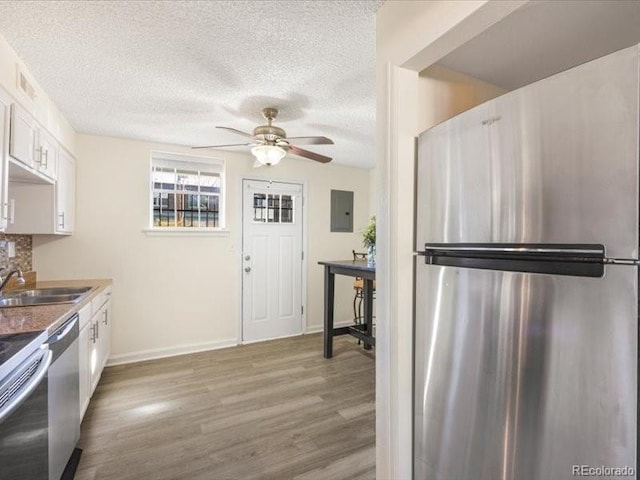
(22,260)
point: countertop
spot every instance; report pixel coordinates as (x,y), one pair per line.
(47,317)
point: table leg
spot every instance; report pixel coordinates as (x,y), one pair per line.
(368,310)
(329,292)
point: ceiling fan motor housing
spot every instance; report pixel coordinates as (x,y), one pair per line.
(269,133)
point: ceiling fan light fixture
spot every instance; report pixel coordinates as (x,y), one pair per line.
(268,154)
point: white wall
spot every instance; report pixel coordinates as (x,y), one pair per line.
(411,36)
(185,291)
(444,93)
(42,108)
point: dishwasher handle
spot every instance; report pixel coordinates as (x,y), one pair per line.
(29,386)
(65,331)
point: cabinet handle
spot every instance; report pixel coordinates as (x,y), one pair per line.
(5,211)
(105,320)
(12,211)
(61,215)
(39,152)
(45,154)
(93,333)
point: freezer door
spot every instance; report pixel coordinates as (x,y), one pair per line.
(524,376)
(554,162)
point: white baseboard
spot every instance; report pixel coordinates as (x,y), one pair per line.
(320,328)
(249,342)
(169,352)
(156,353)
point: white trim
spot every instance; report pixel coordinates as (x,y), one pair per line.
(215,164)
(165,352)
(320,328)
(186,232)
(305,251)
(240,240)
(249,342)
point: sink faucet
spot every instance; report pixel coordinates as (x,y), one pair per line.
(17,271)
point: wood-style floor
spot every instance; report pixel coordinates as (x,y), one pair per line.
(271,410)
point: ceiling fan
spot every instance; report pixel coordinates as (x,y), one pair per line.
(270,143)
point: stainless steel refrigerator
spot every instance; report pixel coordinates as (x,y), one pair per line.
(526,292)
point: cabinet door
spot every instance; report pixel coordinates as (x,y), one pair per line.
(23,136)
(84,359)
(105,334)
(46,157)
(65,193)
(94,352)
(5,119)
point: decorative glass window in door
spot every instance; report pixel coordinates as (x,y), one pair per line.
(272,208)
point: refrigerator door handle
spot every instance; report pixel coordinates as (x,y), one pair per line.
(519,249)
(586,260)
(621,261)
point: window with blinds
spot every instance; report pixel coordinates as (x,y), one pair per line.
(186,192)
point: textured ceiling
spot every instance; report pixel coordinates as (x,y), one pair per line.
(168,71)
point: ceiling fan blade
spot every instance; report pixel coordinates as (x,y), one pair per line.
(307,154)
(229,145)
(239,132)
(311,140)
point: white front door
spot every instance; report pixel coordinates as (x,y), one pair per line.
(271,260)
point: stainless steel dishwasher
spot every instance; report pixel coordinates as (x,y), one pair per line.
(64,397)
(24,361)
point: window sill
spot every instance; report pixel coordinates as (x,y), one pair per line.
(186,232)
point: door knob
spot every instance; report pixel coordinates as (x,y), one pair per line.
(247,258)
(247,269)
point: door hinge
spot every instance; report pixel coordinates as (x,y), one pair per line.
(302,310)
(302,255)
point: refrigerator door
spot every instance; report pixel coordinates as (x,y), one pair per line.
(524,376)
(551,163)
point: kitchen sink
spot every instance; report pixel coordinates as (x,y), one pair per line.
(43,296)
(46,292)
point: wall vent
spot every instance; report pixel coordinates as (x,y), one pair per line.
(25,85)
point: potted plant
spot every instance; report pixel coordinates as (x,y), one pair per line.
(369,240)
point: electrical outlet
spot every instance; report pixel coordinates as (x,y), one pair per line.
(11,249)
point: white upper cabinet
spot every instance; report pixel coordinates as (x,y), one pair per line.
(38,208)
(46,158)
(37,176)
(33,151)
(22,146)
(65,193)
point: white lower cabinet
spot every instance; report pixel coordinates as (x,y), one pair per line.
(104,344)
(84,356)
(95,344)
